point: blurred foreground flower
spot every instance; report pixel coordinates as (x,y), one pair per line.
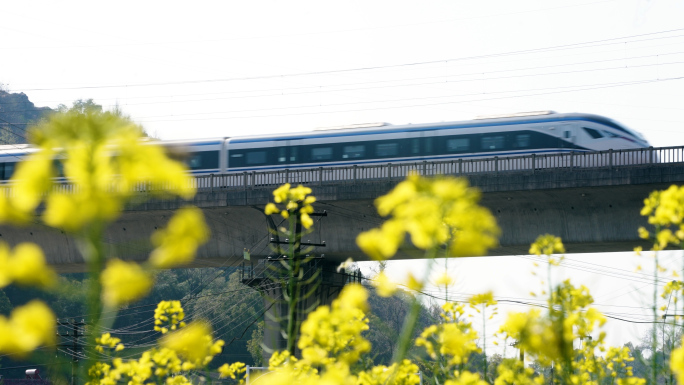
(27,328)
(124,282)
(434,212)
(25,265)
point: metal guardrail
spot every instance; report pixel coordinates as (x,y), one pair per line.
(397,171)
(480,165)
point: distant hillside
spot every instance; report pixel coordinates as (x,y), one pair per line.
(16,114)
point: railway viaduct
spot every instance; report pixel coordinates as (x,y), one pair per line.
(593,208)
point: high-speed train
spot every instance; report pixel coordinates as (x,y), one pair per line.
(509,135)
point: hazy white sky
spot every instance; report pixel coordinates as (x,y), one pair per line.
(216,69)
(231,68)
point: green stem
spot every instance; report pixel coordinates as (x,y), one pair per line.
(293,284)
(484,341)
(654,334)
(411,319)
(92,250)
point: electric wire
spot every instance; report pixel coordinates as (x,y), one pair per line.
(593,43)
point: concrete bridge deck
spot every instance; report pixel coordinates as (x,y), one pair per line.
(593,207)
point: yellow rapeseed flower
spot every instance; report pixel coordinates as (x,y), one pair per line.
(297,201)
(486,299)
(25,265)
(194,343)
(433,212)
(27,328)
(168,315)
(232,370)
(271,209)
(107,341)
(547,245)
(104,160)
(333,333)
(444,280)
(178,242)
(124,282)
(29,266)
(383,286)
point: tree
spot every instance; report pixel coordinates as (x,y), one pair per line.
(5,304)
(81,106)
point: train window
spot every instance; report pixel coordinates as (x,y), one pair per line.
(256,157)
(353,152)
(194,162)
(458,144)
(415,146)
(321,153)
(202,160)
(427,143)
(609,134)
(594,134)
(8,170)
(522,141)
(492,142)
(386,149)
(282,154)
(293,154)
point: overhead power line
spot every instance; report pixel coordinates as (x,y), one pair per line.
(586,44)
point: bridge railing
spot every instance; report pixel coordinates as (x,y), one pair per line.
(396,171)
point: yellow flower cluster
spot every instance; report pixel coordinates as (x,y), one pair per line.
(25,265)
(452,312)
(514,372)
(405,373)
(27,328)
(434,212)
(105,161)
(177,243)
(333,333)
(383,286)
(297,202)
(158,364)
(453,340)
(189,348)
(33,324)
(465,378)
(550,337)
(106,164)
(232,370)
(617,359)
(170,313)
(331,346)
(547,245)
(486,299)
(677,362)
(193,343)
(665,210)
(107,341)
(124,282)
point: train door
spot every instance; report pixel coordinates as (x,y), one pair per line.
(427,150)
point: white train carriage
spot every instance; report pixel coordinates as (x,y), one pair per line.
(337,153)
(513,137)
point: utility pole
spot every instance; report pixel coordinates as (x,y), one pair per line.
(522,352)
(75,346)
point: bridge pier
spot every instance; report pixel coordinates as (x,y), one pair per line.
(320,283)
